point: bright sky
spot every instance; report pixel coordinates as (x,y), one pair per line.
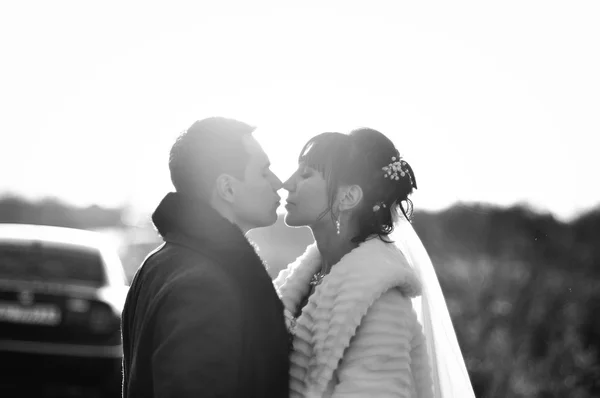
(489,101)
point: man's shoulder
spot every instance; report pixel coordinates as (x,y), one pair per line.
(202,262)
(172,258)
(177,271)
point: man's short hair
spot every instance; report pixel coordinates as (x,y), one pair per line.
(209,148)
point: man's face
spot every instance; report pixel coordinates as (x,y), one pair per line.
(256,199)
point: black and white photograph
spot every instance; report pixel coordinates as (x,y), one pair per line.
(316,199)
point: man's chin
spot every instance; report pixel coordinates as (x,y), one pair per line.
(267,222)
(271,222)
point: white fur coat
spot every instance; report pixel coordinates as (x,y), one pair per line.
(358,336)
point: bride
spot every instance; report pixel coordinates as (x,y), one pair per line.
(365,311)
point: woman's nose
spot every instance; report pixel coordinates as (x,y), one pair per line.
(289,185)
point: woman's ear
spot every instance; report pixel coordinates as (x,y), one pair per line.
(224,188)
(350,197)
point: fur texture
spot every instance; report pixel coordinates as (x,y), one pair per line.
(358,335)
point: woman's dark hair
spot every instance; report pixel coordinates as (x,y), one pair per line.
(359,158)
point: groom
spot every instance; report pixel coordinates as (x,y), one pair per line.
(202,318)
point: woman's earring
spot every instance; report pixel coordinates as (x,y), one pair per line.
(337,224)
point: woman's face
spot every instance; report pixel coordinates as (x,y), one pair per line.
(307,198)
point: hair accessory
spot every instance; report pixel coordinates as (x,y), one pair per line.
(394,170)
(378,206)
(398,168)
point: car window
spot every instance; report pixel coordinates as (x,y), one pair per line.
(35,261)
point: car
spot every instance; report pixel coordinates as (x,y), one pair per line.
(62,291)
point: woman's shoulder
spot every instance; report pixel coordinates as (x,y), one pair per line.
(376,266)
(392,306)
(390,321)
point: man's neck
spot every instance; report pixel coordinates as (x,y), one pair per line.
(227,213)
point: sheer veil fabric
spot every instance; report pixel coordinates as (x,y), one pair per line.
(449,373)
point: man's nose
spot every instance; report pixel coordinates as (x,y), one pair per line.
(277,184)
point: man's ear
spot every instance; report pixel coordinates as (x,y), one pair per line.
(350,197)
(224,188)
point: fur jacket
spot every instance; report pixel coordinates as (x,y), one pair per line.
(358,335)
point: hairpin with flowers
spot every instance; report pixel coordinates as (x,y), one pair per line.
(397,169)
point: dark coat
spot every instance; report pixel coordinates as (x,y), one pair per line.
(202,318)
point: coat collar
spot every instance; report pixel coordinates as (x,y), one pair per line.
(382,264)
(197,226)
(353,284)
(192,222)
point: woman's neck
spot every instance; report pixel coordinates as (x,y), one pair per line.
(332,246)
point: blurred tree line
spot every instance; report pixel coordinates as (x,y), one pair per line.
(50,211)
(523,288)
(524,293)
